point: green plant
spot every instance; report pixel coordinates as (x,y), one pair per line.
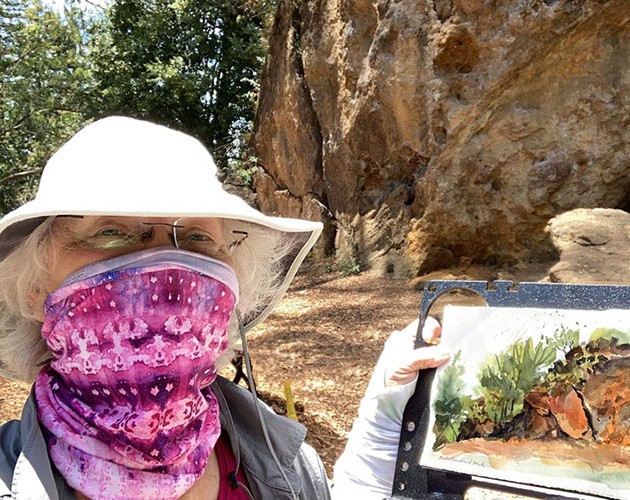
(565,339)
(243,171)
(609,334)
(507,378)
(450,406)
(349,268)
(582,360)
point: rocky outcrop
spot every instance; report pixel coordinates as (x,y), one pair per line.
(566,406)
(427,132)
(594,246)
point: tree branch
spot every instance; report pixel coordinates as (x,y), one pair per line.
(96,4)
(18,175)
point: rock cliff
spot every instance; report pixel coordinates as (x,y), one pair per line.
(428,134)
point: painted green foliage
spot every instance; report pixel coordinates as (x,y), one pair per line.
(451,406)
(610,335)
(508,377)
(504,381)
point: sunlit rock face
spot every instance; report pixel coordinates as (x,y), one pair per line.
(427,134)
(593,244)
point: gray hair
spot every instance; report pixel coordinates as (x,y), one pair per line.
(258,263)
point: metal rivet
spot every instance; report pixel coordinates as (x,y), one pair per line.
(411,426)
(404,466)
(401,486)
(406,446)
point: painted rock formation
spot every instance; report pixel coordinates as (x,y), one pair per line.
(585,397)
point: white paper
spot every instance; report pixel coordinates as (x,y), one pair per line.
(587,464)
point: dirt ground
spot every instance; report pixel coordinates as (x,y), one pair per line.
(323,338)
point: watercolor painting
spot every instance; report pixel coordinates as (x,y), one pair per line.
(534,396)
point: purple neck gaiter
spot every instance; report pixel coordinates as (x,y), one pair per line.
(125,402)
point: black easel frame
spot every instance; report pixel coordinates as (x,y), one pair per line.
(412,481)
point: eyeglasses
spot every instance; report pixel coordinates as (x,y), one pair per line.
(125,236)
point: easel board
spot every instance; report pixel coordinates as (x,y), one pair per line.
(414,477)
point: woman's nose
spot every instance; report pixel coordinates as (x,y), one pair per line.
(161,235)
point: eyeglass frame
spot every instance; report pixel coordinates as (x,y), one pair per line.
(231,247)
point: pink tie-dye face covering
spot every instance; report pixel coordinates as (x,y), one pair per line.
(126,401)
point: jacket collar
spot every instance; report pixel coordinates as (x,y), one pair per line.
(239,419)
(33,476)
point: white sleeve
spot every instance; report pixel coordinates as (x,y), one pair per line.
(366,466)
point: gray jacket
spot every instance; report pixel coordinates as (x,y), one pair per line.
(26,472)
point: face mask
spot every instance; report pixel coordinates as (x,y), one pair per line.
(125,400)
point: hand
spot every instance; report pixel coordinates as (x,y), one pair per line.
(367,464)
(404,367)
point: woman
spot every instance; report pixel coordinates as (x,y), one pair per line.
(118,286)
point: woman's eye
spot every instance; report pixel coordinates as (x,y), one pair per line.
(197,236)
(110,231)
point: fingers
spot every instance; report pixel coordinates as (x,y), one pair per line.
(431,330)
(424,358)
(427,357)
(418,359)
(404,362)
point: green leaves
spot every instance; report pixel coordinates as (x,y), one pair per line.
(610,335)
(504,381)
(525,367)
(42,85)
(508,377)
(189,64)
(451,406)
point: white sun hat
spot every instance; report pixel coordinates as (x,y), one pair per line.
(121,166)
